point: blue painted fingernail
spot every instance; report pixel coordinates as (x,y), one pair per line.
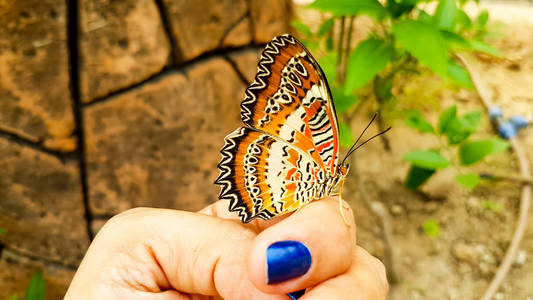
(287,260)
(296,295)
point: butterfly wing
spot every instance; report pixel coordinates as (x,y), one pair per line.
(264,176)
(290,99)
(289,147)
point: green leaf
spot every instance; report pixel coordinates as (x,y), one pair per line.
(480,46)
(325,27)
(383,87)
(351,7)
(446,117)
(459,129)
(424,17)
(463,20)
(329,44)
(473,152)
(467,180)
(2,230)
(417,176)
(415,120)
(370,57)
(342,101)
(431,228)
(445,13)
(302,28)
(328,63)
(427,159)
(346,138)
(13,297)
(482,18)
(424,42)
(459,74)
(454,41)
(491,205)
(399,8)
(36,288)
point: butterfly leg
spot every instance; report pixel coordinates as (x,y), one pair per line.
(341,205)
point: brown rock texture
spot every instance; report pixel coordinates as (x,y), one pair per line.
(246,62)
(203,28)
(41,205)
(158,145)
(121,43)
(15,276)
(270,18)
(160,83)
(34,93)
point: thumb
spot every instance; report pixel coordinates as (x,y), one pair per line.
(156,250)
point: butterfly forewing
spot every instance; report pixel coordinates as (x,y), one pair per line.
(289,147)
(290,99)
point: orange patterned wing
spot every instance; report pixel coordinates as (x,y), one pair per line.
(264,176)
(290,99)
(286,155)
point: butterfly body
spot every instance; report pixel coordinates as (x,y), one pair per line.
(286,154)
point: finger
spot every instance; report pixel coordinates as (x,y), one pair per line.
(153,250)
(306,248)
(220,209)
(366,279)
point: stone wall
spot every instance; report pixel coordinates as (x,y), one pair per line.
(108,105)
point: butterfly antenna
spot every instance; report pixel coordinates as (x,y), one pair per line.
(375,136)
(359,138)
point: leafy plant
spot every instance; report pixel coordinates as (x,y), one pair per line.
(456,131)
(403,39)
(431,228)
(36,288)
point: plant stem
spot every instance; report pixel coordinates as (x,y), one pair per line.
(347,48)
(340,45)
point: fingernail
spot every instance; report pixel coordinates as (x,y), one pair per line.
(296,295)
(287,260)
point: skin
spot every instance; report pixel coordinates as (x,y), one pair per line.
(161,254)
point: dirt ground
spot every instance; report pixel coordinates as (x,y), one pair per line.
(460,262)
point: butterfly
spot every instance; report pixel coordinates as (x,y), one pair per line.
(286,154)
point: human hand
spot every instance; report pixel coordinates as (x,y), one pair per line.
(162,254)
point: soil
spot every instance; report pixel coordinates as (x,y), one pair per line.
(460,262)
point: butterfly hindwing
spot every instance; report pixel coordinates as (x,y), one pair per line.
(264,176)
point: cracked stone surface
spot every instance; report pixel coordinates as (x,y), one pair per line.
(121,43)
(202,28)
(15,276)
(34,93)
(246,62)
(271,18)
(158,145)
(41,205)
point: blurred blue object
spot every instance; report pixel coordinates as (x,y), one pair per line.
(507,130)
(519,122)
(495,112)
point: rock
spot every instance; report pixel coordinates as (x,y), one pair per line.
(200,27)
(121,43)
(396,210)
(34,92)
(465,253)
(246,62)
(158,145)
(41,205)
(14,278)
(521,257)
(97,224)
(270,17)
